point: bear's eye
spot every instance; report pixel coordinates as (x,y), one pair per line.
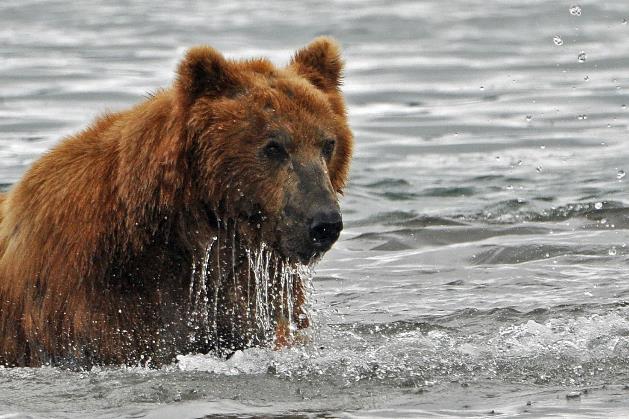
(275,151)
(328,149)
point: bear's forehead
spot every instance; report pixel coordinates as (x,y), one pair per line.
(290,102)
(290,89)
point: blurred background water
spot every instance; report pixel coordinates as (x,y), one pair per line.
(484,265)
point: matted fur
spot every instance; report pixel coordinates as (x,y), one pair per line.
(99,238)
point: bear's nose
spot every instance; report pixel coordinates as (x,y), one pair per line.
(325,229)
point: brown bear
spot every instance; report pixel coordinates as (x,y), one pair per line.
(181,225)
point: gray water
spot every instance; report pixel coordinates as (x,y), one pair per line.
(483,270)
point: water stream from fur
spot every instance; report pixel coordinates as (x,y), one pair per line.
(270,286)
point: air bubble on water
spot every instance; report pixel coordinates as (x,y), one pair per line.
(482,87)
(520,162)
(586,78)
(557,40)
(623,106)
(528,118)
(575,10)
(539,169)
(582,117)
(598,205)
(582,57)
(621,174)
(612,251)
(624,21)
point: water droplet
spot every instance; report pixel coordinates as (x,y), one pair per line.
(582,57)
(612,251)
(557,40)
(586,78)
(539,169)
(520,162)
(482,87)
(623,106)
(575,10)
(598,205)
(582,117)
(528,118)
(621,174)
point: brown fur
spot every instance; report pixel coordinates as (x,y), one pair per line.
(2,198)
(102,239)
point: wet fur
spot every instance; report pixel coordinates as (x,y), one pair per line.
(98,239)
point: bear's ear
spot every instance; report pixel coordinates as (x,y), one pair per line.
(204,71)
(320,62)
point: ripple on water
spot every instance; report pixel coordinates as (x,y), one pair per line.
(444,170)
(560,350)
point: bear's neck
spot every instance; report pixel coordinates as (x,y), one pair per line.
(153,178)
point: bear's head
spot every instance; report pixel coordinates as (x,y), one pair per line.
(270,146)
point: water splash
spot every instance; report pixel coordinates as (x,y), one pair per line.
(575,10)
(266,295)
(582,57)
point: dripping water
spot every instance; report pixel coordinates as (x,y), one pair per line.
(217,284)
(272,285)
(198,294)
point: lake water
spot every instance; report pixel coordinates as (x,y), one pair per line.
(484,268)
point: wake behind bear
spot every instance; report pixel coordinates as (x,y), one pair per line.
(181,225)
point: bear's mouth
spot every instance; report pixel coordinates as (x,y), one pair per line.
(310,258)
(302,252)
(288,239)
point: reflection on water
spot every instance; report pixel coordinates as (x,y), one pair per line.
(484,264)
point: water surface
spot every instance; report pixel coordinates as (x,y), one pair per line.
(484,265)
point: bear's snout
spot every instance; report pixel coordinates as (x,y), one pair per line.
(325,228)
